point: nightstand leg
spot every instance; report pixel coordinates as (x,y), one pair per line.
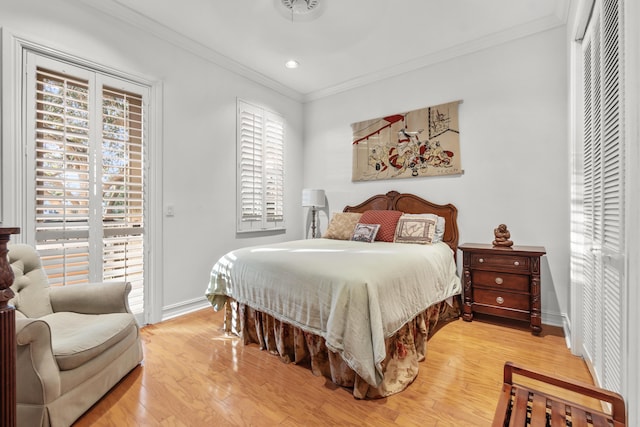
(536,318)
(467,313)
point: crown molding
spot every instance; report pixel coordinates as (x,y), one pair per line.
(126,14)
(123,13)
(563,8)
(541,25)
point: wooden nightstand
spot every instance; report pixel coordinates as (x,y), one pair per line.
(502,282)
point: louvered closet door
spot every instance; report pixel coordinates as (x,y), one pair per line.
(603,195)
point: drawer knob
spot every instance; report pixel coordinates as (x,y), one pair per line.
(516,263)
(481,260)
(499,280)
(499,300)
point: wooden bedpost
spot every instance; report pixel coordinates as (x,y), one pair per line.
(7,335)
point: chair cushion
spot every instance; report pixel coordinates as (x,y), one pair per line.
(30,284)
(77,338)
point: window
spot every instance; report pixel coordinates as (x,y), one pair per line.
(86,142)
(260,180)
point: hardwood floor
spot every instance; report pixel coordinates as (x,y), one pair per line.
(194,375)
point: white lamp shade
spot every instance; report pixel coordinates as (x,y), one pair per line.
(311,197)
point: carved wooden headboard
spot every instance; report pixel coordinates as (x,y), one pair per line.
(410,203)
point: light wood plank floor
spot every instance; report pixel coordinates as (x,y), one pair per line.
(194,375)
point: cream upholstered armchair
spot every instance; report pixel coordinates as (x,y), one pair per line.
(74,342)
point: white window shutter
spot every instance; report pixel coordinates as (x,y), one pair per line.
(250,168)
(122,159)
(87,135)
(62,176)
(260,179)
(274,169)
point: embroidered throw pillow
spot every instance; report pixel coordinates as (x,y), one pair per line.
(365,232)
(387,220)
(412,229)
(438,235)
(342,225)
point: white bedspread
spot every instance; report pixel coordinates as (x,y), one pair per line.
(353,294)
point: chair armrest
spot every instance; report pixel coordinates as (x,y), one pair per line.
(91,298)
(36,368)
(618,411)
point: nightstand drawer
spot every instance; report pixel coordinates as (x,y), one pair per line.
(517,263)
(493,279)
(501,299)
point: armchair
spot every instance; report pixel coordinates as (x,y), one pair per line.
(74,342)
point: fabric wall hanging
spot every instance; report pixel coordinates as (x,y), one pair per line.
(424,142)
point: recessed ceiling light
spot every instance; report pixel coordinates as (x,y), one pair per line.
(291,64)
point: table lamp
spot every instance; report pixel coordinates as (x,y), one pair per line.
(315,199)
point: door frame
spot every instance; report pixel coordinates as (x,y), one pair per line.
(13,156)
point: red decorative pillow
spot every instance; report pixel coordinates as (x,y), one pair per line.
(387,220)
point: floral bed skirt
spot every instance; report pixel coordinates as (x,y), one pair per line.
(405,349)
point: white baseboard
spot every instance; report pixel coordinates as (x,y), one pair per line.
(553,319)
(560,320)
(566,326)
(184,307)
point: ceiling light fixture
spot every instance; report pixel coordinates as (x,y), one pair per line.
(300,10)
(292,63)
(301,7)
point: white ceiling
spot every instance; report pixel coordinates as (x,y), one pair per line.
(351,43)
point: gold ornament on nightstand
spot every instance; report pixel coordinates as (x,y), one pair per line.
(502,237)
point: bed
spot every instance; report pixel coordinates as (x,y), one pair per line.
(357,312)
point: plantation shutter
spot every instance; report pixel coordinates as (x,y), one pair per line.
(274,168)
(250,135)
(123,190)
(88,174)
(62,176)
(260,180)
(603,310)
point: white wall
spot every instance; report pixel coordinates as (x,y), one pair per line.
(198,134)
(513,140)
(513,125)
